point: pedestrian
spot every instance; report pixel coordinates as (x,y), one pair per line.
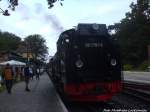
(22,74)
(1,78)
(31,72)
(8,77)
(27,77)
(37,74)
(17,71)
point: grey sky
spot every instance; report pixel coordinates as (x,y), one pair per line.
(33,17)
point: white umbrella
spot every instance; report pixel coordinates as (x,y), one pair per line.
(13,62)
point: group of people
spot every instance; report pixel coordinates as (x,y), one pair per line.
(8,76)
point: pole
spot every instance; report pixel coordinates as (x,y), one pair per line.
(28,60)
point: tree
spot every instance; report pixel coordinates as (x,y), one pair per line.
(4,12)
(133,33)
(14,3)
(36,45)
(8,41)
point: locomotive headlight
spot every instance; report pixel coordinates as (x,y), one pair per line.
(79,63)
(113,62)
(67,40)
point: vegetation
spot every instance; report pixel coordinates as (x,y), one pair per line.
(14,3)
(9,41)
(1,88)
(36,45)
(144,66)
(127,67)
(133,33)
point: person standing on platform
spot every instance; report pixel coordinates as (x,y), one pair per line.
(8,77)
(27,77)
(22,74)
(37,74)
(1,77)
(17,71)
(31,72)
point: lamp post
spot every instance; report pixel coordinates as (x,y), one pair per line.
(27,52)
(5,13)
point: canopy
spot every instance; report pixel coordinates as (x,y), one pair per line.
(13,62)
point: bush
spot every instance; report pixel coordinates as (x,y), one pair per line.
(2,88)
(127,67)
(144,65)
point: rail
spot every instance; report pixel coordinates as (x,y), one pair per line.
(139,90)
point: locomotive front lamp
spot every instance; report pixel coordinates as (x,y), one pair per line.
(67,40)
(79,63)
(113,62)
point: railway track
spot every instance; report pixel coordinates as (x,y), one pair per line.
(139,90)
(90,107)
(108,106)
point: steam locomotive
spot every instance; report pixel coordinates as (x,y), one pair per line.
(87,66)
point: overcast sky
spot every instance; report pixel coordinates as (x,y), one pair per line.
(33,17)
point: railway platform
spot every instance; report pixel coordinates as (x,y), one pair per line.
(138,77)
(41,98)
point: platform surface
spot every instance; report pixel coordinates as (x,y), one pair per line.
(41,98)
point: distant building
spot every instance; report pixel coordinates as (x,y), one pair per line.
(4,56)
(9,55)
(24,51)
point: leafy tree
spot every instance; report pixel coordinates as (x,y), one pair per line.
(14,3)
(9,41)
(51,2)
(36,45)
(133,33)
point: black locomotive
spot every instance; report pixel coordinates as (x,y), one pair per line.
(86,66)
